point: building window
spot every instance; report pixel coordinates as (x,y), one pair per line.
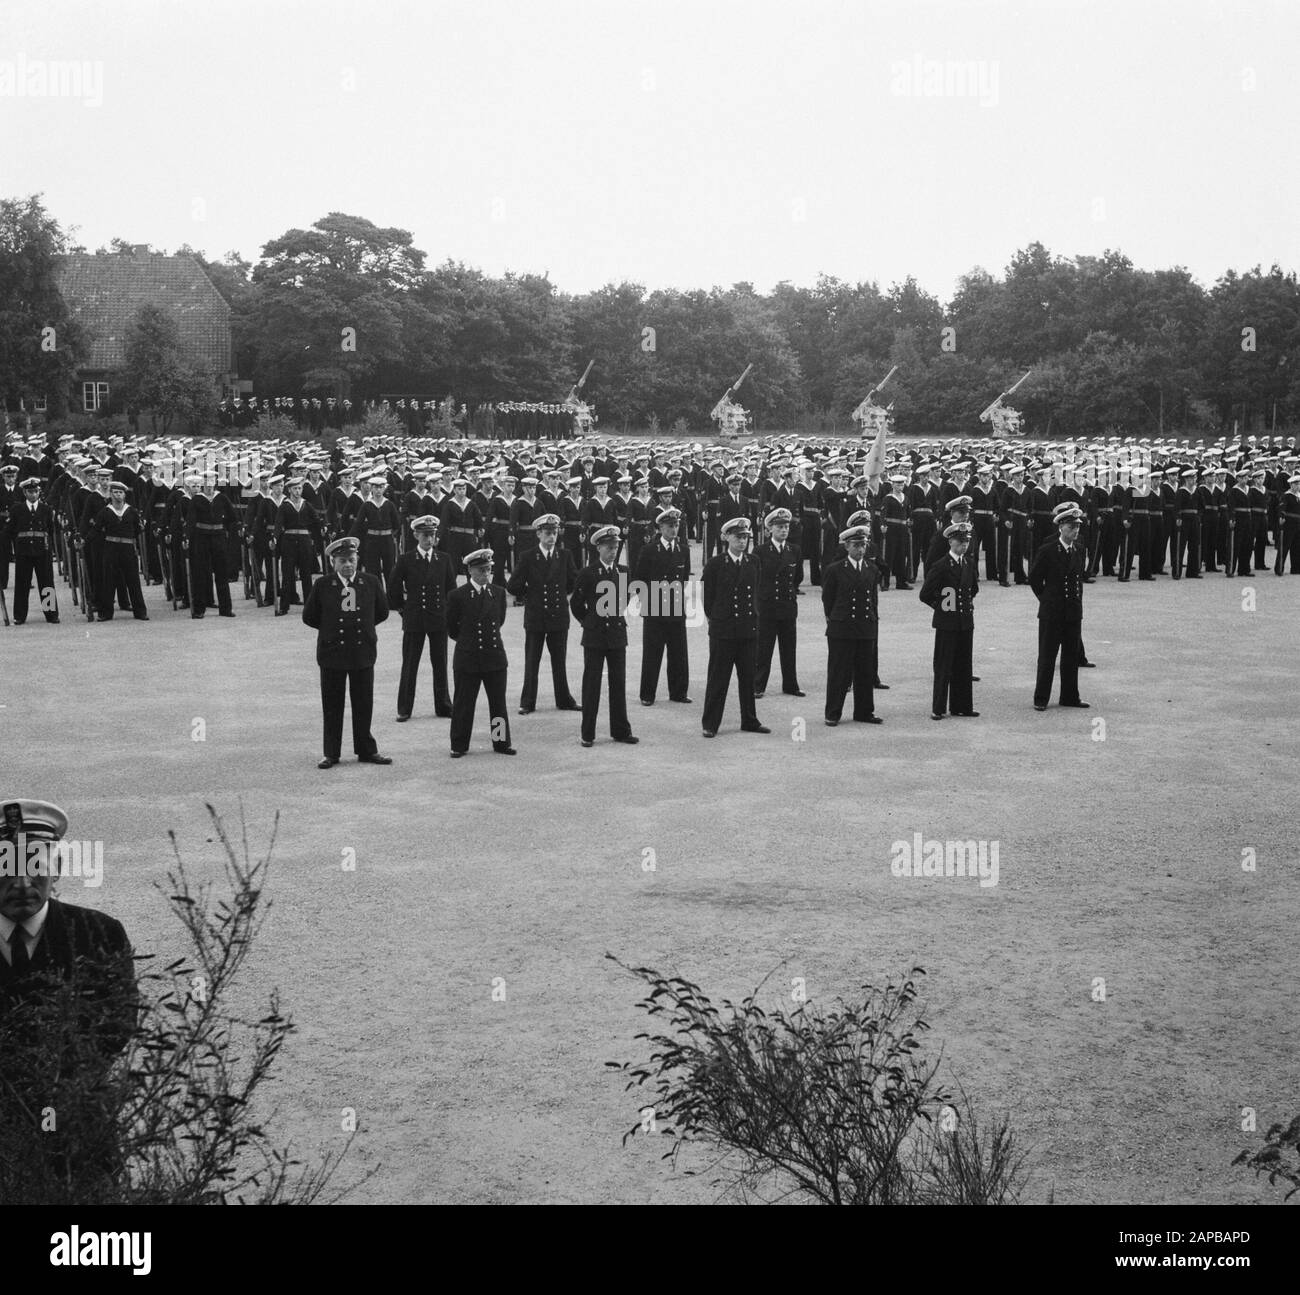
(39,405)
(94,396)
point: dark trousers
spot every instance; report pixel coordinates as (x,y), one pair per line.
(360,685)
(379,556)
(850,663)
(1054,636)
(295,565)
(1243,545)
(594,661)
(657,636)
(413,642)
(986,542)
(898,557)
(120,570)
(556,643)
(953,652)
(770,634)
(1289,546)
(726,655)
(208,560)
(1189,547)
(466,699)
(25,565)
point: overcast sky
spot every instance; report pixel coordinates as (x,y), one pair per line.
(672,144)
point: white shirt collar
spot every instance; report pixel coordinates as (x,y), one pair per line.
(33,925)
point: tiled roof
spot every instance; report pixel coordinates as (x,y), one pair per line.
(105,292)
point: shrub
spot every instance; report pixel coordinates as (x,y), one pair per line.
(835,1106)
(1279,1157)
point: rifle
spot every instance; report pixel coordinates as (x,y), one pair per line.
(1229,567)
(988,412)
(4,609)
(164,563)
(251,573)
(84,575)
(196,608)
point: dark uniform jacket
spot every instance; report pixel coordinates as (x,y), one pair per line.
(474,620)
(954,582)
(598,601)
(1057,580)
(419,588)
(663,567)
(730,596)
(346,638)
(71,934)
(29,531)
(849,600)
(205,517)
(779,576)
(545,584)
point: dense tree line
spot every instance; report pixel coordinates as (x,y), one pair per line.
(349,307)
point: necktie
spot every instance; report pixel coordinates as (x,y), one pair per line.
(18,948)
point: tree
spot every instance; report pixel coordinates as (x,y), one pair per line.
(40,344)
(157,377)
(332,303)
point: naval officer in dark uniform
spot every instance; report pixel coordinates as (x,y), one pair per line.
(475,614)
(421,583)
(344,608)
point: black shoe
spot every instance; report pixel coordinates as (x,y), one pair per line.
(196,616)
(142,618)
(568,705)
(327,763)
(456,755)
(759,694)
(881,687)
(902,586)
(1197,576)
(1146,577)
(710,732)
(1077,705)
(1038,707)
(526,710)
(796,692)
(230,615)
(587,741)
(278,612)
(684,701)
(444,713)
(1087,665)
(375,759)
(967,714)
(504,750)
(628,739)
(754,728)
(1005,584)
(401,719)
(934,714)
(1089,580)
(646,703)
(869,719)
(974,678)
(832,723)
